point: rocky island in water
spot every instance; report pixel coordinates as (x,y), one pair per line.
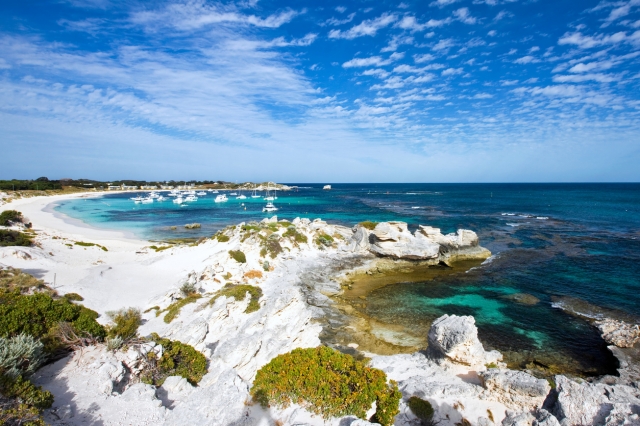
(232,313)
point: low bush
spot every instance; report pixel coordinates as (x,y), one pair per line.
(271,246)
(12,279)
(157,249)
(114,343)
(238,256)
(26,391)
(9,216)
(253,274)
(75,297)
(332,384)
(324,240)
(125,323)
(421,408)
(173,310)
(14,238)
(14,412)
(368,225)
(84,244)
(222,238)
(251,227)
(177,359)
(295,235)
(20,355)
(39,314)
(239,292)
(187,289)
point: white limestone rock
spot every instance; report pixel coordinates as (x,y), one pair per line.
(618,333)
(393,239)
(456,339)
(515,389)
(359,241)
(518,419)
(545,418)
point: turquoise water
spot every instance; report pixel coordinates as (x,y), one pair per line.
(562,243)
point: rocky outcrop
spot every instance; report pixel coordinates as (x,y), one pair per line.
(393,239)
(456,338)
(618,333)
(359,241)
(515,389)
(583,403)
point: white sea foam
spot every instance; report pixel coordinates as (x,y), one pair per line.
(415,207)
(542,218)
(508,214)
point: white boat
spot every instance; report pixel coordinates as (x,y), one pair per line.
(201,193)
(138,198)
(215,191)
(234,193)
(270,197)
(326,187)
(269,208)
(178,200)
(191,198)
(255,194)
(147,200)
(161,198)
(173,194)
(241,197)
(221,198)
(153,195)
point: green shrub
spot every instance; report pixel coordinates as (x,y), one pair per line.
(324,240)
(14,412)
(12,279)
(14,238)
(271,246)
(251,227)
(222,238)
(75,297)
(177,359)
(114,343)
(238,256)
(125,323)
(295,235)
(187,288)
(332,383)
(173,310)
(368,225)
(8,216)
(421,408)
(26,391)
(38,314)
(83,244)
(266,266)
(20,355)
(239,292)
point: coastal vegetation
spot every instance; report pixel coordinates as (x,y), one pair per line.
(84,244)
(13,279)
(222,238)
(161,248)
(367,224)
(8,217)
(238,256)
(324,240)
(14,238)
(422,409)
(239,292)
(173,310)
(125,323)
(295,235)
(177,359)
(332,384)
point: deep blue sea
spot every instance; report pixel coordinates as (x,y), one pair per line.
(572,246)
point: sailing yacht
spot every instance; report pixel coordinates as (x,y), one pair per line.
(241,197)
(255,194)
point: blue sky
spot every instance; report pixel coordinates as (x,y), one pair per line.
(332,91)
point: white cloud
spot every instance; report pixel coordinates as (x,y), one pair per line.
(442,3)
(368,27)
(341,9)
(464,16)
(502,15)
(600,78)
(452,71)
(534,49)
(622,9)
(334,22)
(444,45)
(424,57)
(508,82)
(377,72)
(482,96)
(492,33)
(526,60)
(366,62)
(587,42)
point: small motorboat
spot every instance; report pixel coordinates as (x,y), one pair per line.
(269,208)
(191,198)
(221,198)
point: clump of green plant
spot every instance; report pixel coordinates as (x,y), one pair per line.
(227,276)
(74,297)
(222,238)
(491,365)
(39,315)
(8,217)
(324,240)
(84,244)
(14,412)
(173,310)
(177,359)
(187,289)
(22,389)
(157,249)
(14,238)
(266,265)
(12,279)
(271,246)
(125,323)
(238,256)
(114,343)
(295,235)
(422,409)
(333,384)
(20,355)
(367,224)
(251,227)
(239,292)
(156,308)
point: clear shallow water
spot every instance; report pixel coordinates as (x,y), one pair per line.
(551,241)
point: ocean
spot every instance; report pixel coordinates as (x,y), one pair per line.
(561,253)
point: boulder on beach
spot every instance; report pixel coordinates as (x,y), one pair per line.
(455,338)
(618,333)
(515,389)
